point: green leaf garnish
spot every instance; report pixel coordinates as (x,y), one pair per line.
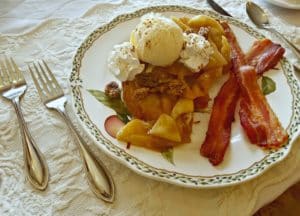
(268,85)
(114,103)
(168,155)
(124,117)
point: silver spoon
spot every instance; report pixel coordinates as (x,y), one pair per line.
(260,18)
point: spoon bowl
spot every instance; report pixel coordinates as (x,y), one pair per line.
(260,18)
(257,15)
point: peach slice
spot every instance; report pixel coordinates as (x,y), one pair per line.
(182,106)
(135,126)
(165,127)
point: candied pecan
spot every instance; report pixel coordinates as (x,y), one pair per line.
(146,79)
(141,93)
(153,79)
(112,90)
(162,76)
(158,89)
(175,87)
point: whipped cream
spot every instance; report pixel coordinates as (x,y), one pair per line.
(196,52)
(123,62)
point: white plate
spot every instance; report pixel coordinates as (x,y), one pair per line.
(291,4)
(242,161)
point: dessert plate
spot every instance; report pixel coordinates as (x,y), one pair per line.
(290,4)
(183,165)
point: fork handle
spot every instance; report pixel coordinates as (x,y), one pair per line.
(35,165)
(99,178)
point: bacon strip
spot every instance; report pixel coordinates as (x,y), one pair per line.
(219,127)
(264,55)
(237,55)
(257,118)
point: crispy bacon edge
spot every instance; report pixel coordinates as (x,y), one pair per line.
(264,55)
(256,116)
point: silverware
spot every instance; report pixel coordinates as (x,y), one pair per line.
(51,94)
(12,87)
(218,8)
(260,18)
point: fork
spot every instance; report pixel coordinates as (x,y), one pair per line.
(12,87)
(52,95)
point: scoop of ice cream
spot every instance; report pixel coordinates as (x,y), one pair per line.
(196,52)
(123,62)
(158,40)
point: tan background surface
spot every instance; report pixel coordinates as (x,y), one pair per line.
(52,30)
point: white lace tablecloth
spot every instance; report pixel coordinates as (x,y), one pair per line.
(52,30)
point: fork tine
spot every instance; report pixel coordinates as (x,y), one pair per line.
(5,77)
(37,85)
(10,71)
(41,80)
(48,81)
(19,75)
(1,75)
(57,86)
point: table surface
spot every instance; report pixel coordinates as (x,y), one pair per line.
(52,30)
